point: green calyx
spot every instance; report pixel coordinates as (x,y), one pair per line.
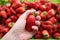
(11,24)
(34,14)
(44,13)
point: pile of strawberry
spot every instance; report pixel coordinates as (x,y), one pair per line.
(49,23)
(47,15)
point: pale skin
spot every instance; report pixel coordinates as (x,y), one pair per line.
(18,31)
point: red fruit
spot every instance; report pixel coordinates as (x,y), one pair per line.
(58,9)
(3,14)
(16,5)
(44,1)
(47,27)
(8,11)
(10,24)
(5,30)
(58,28)
(12,10)
(42,7)
(31,20)
(54,26)
(58,17)
(43,15)
(48,6)
(1,35)
(45,34)
(57,35)
(18,15)
(48,23)
(53,20)
(20,10)
(54,6)
(7,21)
(13,18)
(3,21)
(51,13)
(51,31)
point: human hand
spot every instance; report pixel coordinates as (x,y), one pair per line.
(18,31)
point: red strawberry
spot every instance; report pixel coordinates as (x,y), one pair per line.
(43,15)
(12,10)
(48,23)
(20,10)
(42,7)
(48,6)
(44,1)
(58,9)
(1,35)
(58,28)
(5,30)
(30,22)
(58,17)
(47,27)
(18,15)
(54,28)
(3,21)
(38,35)
(8,11)
(57,35)
(3,14)
(53,20)
(7,21)
(54,6)
(50,31)
(13,18)
(51,13)
(45,34)
(16,5)
(10,24)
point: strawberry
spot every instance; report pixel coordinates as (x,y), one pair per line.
(20,10)
(58,9)
(12,10)
(3,14)
(38,35)
(7,21)
(13,18)
(57,35)
(45,34)
(54,28)
(58,28)
(16,5)
(53,20)
(47,27)
(51,13)
(48,23)
(10,24)
(58,17)
(48,6)
(54,6)
(1,35)
(18,15)
(44,1)
(30,22)
(5,30)
(43,15)
(8,11)
(42,7)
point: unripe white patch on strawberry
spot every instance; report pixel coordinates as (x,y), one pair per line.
(37,23)
(44,6)
(38,17)
(35,28)
(37,12)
